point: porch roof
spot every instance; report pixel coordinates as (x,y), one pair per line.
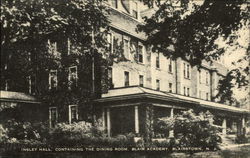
(17,97)
(130,92)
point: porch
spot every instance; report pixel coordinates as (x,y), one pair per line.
(135,109)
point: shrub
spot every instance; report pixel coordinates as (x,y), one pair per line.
(68,134)
(21,131)
(196,130)
(193,130)
(84,134)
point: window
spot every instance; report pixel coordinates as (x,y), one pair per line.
(52,46)
(186,70)
(207,96)
(200,76)
(188,76)
(73,113)
(126,78)
(72,76)
(157,85)
(207,78)
(184,90)
(158,60)
(53,79)
(110,77)
(170,85)
(200,94)
(140,54)
(141,80)
(7,84)
(188,93)
(114,3)
(30,84)
(126,49)
(114,44)
(68,45)
(134,9)
(170,66)
(53,116)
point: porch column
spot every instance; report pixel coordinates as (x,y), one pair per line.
(171,132)
(224,126)
(103,119)
(136,120)
(108,122)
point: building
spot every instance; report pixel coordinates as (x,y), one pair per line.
(153,81)
(146,81)
(20,106)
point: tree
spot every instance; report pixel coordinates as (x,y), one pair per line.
(193,29)
(35,36)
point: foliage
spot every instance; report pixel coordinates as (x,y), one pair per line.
(83,133)
(235,78)
(13,131)
(34,40)
(70,133)
(197,130)
(3,134)
(149,128)
(192,130)
(192,36)
(181,32)
(162,126)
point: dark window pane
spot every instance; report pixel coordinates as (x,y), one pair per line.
(126,78)
(141,80)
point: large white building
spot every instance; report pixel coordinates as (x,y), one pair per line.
(151,80)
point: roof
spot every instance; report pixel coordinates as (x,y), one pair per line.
(125,23)
(130,92)
(10,96)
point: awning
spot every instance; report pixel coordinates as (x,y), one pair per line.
(17,97)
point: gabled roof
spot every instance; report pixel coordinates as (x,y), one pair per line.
(131,92)
(10,96)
